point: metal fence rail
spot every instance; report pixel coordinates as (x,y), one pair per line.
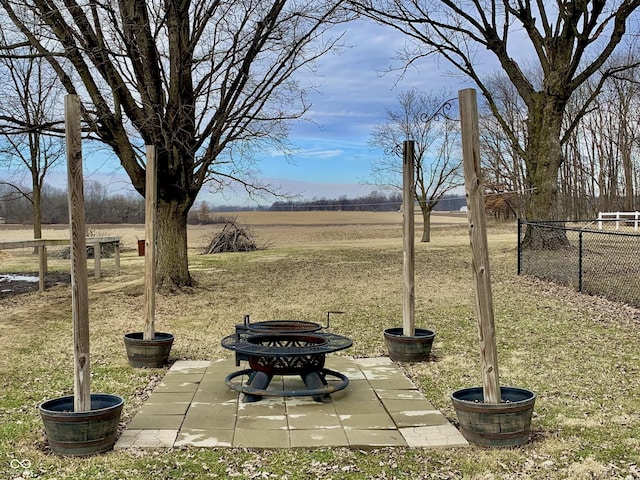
(597,262)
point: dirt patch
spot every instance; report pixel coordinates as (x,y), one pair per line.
(18,283)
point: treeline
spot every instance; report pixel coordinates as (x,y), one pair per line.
(100,206)
(104,207)
(375,201)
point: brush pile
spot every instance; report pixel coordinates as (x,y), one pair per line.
(232,238)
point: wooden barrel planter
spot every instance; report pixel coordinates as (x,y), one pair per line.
(148,353)
(505,424)
(404,348)
(81,433)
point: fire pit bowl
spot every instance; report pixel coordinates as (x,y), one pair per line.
(292,353)
(283,326)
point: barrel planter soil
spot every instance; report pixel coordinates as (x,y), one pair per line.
(81,433)
(409,348)
(148,353)
(505,424)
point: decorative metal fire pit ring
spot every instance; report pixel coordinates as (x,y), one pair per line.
(283,326)
(263,392)
(258,344)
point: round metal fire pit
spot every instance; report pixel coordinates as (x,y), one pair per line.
(280,353)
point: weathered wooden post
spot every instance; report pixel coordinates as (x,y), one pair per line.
(408,343)
(85,423)
(408,264)
(479,246)
(490,415)
(79,289)
(149,348)
(150,202)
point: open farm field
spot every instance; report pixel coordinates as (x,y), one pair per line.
(577,353)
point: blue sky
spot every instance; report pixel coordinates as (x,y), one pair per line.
(332,156)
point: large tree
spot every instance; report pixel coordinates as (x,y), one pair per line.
(419,117)
(568,41)
(207,82)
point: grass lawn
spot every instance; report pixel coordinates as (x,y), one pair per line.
(578,353)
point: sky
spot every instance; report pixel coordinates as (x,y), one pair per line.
(355,89)
(332,157)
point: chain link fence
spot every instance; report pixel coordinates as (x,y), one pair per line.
(601,261)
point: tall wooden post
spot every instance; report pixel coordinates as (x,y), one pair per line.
(479,246)
(150,203)
(79,289)
(408,265)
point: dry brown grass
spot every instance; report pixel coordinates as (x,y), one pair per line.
(579,354)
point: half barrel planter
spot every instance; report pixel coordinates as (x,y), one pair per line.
(409,348)
(148,353)
(81,433)
(505,424)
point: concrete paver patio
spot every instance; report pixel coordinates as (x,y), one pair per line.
(381,407)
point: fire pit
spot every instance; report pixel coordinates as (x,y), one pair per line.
(286,353)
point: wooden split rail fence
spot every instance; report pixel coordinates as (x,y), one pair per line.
(42,245)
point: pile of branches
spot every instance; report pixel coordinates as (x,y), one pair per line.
(232,238)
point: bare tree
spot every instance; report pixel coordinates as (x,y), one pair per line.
(31,96)
(568,41)
(208,82)
(437,159)
(504,168)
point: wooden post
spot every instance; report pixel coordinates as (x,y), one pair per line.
(116,254)
(408,265)
(79,289)
(150,201)
(42,266)
(478,237)
(97,269)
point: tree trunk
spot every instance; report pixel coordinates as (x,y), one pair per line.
(543,159)
(426,226)
(173,264)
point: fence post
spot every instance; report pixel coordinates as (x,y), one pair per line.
(580,261)
(519,245)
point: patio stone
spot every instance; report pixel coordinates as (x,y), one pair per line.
(375,438)
(156,422)
(262,422)
(210,417)
(204,438)
(313,421)
(146,439)
(434,436)
(318,438)
(261,438)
